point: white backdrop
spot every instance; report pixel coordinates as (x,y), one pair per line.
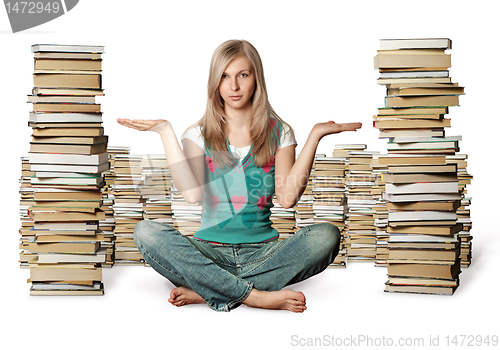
(318,61)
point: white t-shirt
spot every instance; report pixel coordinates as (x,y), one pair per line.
(194,134)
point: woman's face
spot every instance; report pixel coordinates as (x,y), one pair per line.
(237,84)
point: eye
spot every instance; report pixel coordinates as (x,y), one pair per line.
(244,74)
(224,76)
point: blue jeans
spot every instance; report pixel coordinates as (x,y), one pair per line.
(224,275)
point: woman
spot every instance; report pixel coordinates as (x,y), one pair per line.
(235,159)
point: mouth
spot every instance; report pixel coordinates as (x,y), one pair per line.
(235,98)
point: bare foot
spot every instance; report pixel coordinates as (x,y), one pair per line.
(280,300)
(184,296)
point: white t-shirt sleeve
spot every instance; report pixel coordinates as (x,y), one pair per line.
(194,134)
(287,140)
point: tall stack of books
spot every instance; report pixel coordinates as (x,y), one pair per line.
(330,204)
(156,189)
(421,190)
(304,215)
(361,233)
(127,207)
(380,213)
(67,157)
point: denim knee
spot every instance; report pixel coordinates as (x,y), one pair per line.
(328,237)
(145,232)
(140,230)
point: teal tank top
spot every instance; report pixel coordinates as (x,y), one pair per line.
(238,200)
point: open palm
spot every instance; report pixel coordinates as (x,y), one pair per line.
(144,124)
(330,127)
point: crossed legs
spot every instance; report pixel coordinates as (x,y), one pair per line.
(204,273)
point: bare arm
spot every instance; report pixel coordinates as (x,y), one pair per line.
(186,166)
(291,176)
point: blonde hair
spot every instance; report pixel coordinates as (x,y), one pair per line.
(212,123)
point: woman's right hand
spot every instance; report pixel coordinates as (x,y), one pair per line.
(156,125)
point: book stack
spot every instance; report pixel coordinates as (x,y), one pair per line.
(421,188)
(422,224)
(361,234)
(330,204)
(463,212)
(304,215)
(329,189)
(380,213)
(127,207)
(186,216)
(67,156)
(27,196)
(108,224)
(156,188)
(283,220)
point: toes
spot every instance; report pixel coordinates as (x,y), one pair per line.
(301,297)
(297,306)
(173,294)
(298,303)
(298,309)
(177,302)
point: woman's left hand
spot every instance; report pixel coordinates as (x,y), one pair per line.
(322,129)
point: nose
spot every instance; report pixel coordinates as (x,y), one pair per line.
(234,85)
